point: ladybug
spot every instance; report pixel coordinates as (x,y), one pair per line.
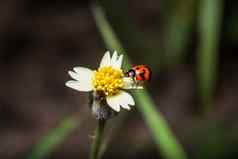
(140,73)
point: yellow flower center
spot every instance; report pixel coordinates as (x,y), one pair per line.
(108,80)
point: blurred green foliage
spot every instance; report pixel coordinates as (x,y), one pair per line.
(209,29)
(54,138)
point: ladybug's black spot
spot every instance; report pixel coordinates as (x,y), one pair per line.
(142,75)
(137,68)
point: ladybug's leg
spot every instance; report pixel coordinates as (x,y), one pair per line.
(137,84)
(134,84)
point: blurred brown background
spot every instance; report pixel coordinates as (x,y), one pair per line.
(42,40)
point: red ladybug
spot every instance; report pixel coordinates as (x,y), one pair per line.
(140,73)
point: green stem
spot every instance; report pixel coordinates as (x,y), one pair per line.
(209,27)
(98,139)
(179,25)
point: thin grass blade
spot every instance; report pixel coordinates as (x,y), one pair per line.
(51,141)
(209,27)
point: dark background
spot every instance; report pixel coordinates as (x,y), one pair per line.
(41,40)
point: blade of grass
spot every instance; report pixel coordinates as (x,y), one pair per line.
(51,141)
(164,138)
(209,27)
(105,29)
(130,36)
(179,25)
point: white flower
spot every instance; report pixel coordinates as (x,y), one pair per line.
(109,79)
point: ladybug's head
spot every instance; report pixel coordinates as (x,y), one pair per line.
(131,73)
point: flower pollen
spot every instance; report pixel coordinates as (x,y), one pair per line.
(108,80)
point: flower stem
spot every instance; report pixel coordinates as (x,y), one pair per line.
(98,139)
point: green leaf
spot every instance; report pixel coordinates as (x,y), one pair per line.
(51,141)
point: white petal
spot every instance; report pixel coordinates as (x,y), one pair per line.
(129,83)
(113,103)
(83,77)
(125,106)
(74,75)
(80,69)
(80,86)
(118,63)
(122,99)
(106,60)
(114,58)
(81,74)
